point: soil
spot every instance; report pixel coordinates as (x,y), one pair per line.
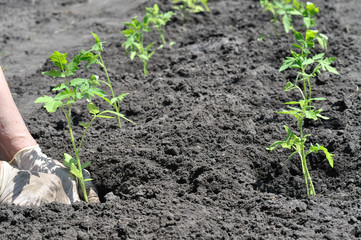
(195,165)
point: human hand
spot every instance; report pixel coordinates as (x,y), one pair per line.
(23,187)
(32,159)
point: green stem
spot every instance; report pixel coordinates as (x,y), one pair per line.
(145,68)
(162,37)
(81,180)
(306,174)
(86,129)
(115,105)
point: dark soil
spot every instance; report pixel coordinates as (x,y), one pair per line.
(195,166)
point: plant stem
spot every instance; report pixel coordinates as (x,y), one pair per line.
(162,37)
(301,151)
(145,68)
(115,105)
(81,180)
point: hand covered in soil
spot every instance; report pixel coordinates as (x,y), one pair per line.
(32,159)
(23,187)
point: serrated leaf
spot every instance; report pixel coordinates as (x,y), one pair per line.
(310,115)
(92,108)
(298,36)
(317,148)
(71,68)
(310,34)
(318,56)
(128,32)
(132,55)
(50,104)
(63,95)
(78,81)
(59,59)
(54,74)
(60,86)
(286,19)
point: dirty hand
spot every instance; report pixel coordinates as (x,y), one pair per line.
(23,187)
(32,159)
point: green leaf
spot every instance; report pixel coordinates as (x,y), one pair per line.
(78,81)
(318,56)
(318,99)
(317,148)
(331,69)
(95,37)
(128,32)
(310,114)
(292,102)
(132,55)
(60,86)
(71,68)
(310,34)
(296,46)
(50,104)
(97,91)
(287,63)
(68,160)
(63,95)
(286,19)
(298,36)
(104,116)
(77,173)
(54,73)
(122,96)
(92,108)
(322,40)
(84,165)
(118,114)
(59,59)
(83,125)
(289,86)
(308,61)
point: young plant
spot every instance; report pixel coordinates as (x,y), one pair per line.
(159,20)
(283,10)
(71,91)
(187,7)
(95,57)
(308,67)
(134,45)
(307,12)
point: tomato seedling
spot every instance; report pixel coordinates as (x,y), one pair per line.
(96,58)
(308,66)
(283,10)
(134,45)
(279,9)
(71,91)
(187,7)
(159,20)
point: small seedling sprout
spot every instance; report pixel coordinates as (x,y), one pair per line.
(71,91)
(308,66)
(134,45)
(187,7)
(159,20)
